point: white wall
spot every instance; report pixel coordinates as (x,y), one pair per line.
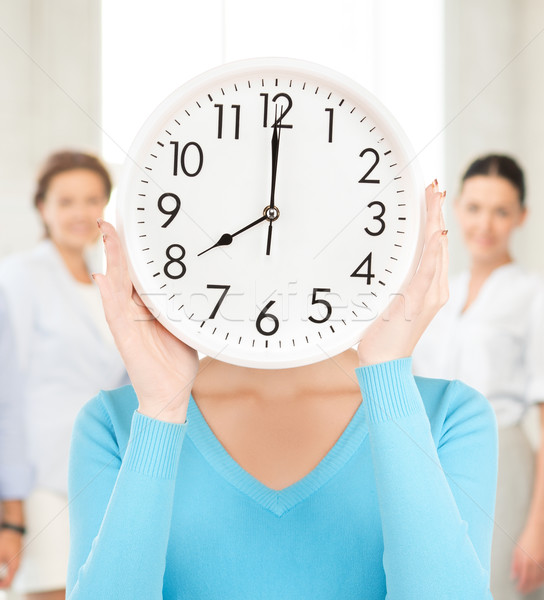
(49,68)
(494,98)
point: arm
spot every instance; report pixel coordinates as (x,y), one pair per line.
(436,506)
(528,559)
(120,511)
(11,542)
(15,468)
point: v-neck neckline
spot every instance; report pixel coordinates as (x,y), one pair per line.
(277,501)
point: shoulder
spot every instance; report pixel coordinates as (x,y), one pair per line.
(25,265)
(456,409)
(106,419)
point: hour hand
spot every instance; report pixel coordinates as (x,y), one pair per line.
(226,238)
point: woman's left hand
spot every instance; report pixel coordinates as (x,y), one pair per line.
(395,333)
(528,560)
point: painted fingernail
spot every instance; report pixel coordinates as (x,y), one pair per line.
(435,184)
(93,276)
(444,232)
(104,238)
(99,222)
(442,197)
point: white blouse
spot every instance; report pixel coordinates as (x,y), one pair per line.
(495,346)
(63,356)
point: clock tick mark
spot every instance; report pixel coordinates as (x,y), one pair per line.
(400,191)
(354,312)
(198,104)
(388,271)
(214,330)
(188,113)
(211,99)
(148,168)
(144,249)
(319,334)
(400,232)
(162,286)
(381,140)
(280,343)
(393,258)
(172,296)
(227,336)
(393,165)
(304,86)
(141,222)
(341,102)
(202,324)
(266,343)
(399,177)
(401,204)
(293,342)
(177,121)
(239,340)
(253,344)
(352,110)
(276,83)
(262,82)
(150,261)
(402,218)
(362,119)
(344,322)
(372,129)
(398,246)
(249,84)
(156,274)
(143,195)
(191,316)
(386,153)
(144,181)
(307,341)
(332,328)
(154,155)
(140,208)
(374,297)
(167,132)
(381,282)
(143,235)
(235,88)
(223,91)
(160,144)
(329,96)
(316,90)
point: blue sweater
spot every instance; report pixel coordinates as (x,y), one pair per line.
(401,507)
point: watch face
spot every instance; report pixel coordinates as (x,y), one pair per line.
(269,210)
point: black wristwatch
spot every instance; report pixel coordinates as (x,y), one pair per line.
(18,528)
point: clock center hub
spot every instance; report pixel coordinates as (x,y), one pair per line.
(271,213)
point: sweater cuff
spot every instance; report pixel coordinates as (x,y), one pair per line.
(154,446)
(389,390)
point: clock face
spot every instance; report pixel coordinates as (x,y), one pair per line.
(269,210)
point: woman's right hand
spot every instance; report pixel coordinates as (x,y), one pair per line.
(160,366)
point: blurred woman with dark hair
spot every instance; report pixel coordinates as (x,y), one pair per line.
(63,355)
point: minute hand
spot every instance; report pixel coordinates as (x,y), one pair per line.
(271,208)
(226,238)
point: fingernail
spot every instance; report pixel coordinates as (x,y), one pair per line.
(93,276)
(444,232)
(442,198)
(104,238)
(435,185)
(99,222)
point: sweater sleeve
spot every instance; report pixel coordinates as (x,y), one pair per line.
(120,510)
(436,504)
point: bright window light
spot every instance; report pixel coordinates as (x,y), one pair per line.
(392,48)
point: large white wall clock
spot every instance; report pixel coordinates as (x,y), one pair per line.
(269,210)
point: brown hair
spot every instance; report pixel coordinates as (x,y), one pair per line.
(67,160)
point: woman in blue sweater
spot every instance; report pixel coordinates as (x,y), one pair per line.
(211,481)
